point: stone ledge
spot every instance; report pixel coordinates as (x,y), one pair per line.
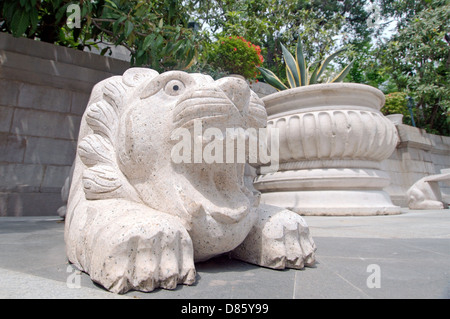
(50,68)
(39,79)
(413,137)
(61,54)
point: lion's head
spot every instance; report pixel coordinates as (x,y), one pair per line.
(127,141)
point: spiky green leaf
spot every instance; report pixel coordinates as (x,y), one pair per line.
(272,79)
(301,64)
(327,61)
(314,77)
(290,77)
(341,76)
(291,66)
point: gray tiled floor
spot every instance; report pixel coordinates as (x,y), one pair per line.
(412,252)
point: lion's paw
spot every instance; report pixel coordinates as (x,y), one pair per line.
(280,239)
(143,252)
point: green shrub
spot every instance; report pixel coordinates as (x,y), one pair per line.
(235,55)
(397,103)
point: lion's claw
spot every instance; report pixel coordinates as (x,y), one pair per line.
(280,239)
(143,252)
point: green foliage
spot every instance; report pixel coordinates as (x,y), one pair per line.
(397,103)
(418,58)
(155,32)
(235,55)
(269,23)
(32,18)
(297,72)
(20,15)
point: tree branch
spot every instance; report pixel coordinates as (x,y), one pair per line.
(110,33)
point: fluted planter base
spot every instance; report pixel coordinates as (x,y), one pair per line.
(332,140)
(328,192)
(338,203)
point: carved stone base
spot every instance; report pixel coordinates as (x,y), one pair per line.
(334,203)
(331,192)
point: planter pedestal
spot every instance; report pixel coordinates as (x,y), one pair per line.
(328,192)
(332,141)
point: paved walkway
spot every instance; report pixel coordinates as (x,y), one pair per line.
(404,256)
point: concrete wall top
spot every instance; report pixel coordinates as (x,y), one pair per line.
(61,54)
(419,138)
(43,63)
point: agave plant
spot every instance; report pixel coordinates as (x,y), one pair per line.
(297,72)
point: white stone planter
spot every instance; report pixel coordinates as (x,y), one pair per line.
(397,119)
(332,140)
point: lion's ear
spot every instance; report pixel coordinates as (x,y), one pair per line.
(135,76)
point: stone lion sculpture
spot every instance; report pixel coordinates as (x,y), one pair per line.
(426,193)
(138,221)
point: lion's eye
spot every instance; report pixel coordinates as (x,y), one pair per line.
(174,87)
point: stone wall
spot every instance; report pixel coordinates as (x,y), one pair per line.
(418,154)
(44,90)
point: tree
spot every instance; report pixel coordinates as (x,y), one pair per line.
(34,19)
(418,58)
(403,10)
(269,23)
(156,33)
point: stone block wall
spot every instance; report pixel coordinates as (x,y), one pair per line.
(44,90)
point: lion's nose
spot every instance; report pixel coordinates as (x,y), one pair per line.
(237,90)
